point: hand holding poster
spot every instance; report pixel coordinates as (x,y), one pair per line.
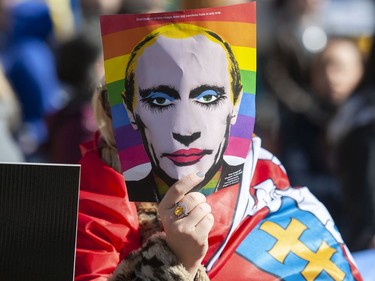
(182,91)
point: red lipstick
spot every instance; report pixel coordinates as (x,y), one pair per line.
(186,157)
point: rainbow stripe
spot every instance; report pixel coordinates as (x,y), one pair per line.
(236,24)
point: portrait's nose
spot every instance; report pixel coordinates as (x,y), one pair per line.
(186,139)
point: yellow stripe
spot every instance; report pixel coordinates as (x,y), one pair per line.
(246,58)
(115,67)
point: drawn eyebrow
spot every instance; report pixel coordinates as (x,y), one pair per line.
(169,90)
(200,89)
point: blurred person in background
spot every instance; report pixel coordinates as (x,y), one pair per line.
(285,68)
(29,64)
(76,61)
(92,9)
(143,6)
(10,115)
(352,135)
(335,73)
(308,74)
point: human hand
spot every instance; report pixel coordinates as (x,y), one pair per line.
(187,237)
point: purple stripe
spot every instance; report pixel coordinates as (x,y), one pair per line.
(244,127)
(126,137)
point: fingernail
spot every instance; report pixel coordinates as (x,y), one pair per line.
(200,174)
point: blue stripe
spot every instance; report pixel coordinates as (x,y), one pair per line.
(120,117)
(247,106)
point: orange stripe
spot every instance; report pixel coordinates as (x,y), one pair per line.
(238,34)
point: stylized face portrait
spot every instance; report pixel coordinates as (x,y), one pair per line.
(184,105)
(181,89)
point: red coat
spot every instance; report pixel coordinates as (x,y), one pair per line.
(107,221)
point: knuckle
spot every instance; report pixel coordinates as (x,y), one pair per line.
(201,208)
(183,185)
(196,198)
(180,229)
(210,218)
(208,206)
(199,197)
(202,243)
(204,208)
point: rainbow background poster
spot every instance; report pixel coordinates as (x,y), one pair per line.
(236,24)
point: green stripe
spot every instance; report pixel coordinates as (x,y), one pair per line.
(248,79)
(114,90)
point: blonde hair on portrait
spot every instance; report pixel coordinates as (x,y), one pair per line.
(101,107)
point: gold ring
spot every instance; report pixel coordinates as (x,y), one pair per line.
(180,210)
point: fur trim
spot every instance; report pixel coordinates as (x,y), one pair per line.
(149,222)
(154,262)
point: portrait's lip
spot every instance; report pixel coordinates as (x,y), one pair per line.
(186,157)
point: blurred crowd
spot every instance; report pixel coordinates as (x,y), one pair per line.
(315,90)
(315,106)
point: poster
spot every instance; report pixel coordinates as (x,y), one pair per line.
(181,86)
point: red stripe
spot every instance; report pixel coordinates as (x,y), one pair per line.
(269,170)
(134,150)
(236,13)
(223,210)
(353,268)
(238,147)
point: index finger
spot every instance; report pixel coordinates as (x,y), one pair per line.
(177,191)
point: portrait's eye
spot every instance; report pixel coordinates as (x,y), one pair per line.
(162,101)
(208,96)
(158,100)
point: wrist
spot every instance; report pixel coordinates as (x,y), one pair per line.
(192,269)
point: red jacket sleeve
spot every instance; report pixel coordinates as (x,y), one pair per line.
(107,221)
